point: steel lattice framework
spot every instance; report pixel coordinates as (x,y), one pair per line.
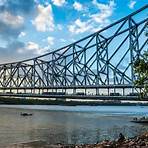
(102,59)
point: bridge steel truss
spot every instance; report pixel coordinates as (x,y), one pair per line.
(102,60)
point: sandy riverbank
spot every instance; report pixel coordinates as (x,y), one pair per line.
(135,142)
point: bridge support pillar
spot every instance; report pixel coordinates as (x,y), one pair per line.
(39,91)
(114,90)
(97,91)
(85,91)
(74,91)
(123,91)
(24,90)
(108,91)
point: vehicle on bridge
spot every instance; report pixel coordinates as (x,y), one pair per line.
(134,94)
(54,93)
(115,94)
(80,93)
(9,92)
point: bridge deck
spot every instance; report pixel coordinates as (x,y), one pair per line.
(72,96)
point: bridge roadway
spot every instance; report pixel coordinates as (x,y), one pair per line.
(72,96)
(76,87)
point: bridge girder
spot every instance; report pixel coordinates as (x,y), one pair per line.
(103,58)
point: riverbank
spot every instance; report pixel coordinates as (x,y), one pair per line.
(22,101)
(121,142)
(54,124)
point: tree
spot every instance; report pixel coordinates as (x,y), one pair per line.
(141,72)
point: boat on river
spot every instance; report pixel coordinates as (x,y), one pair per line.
(140,120)
(26,114)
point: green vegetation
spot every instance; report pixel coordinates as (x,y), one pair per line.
(22,101)
(141,71)
(19,101)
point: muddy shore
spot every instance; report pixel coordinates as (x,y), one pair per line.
(140,141)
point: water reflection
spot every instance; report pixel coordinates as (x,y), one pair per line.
(63,127)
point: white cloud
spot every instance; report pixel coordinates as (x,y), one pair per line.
(106,11)
(50,40)
(131,4)
(22,34)
(59,27)
(73,40)
(44,20)
(14,21)
(33,48)
(95,21)
(58,2)
(2,2)
(79,27)
(36,49)
(78,6)
(62,40)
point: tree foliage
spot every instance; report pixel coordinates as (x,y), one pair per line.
(141,72)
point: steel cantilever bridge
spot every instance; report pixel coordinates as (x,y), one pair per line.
(101,62)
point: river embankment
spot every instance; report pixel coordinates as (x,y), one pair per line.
(140,141)
(23,101)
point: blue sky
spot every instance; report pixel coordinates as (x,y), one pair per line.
(30,28)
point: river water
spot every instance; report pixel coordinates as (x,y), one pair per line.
(68,124)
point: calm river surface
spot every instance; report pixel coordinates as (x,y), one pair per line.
(68,124)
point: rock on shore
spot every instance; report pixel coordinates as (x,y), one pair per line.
(136,142)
